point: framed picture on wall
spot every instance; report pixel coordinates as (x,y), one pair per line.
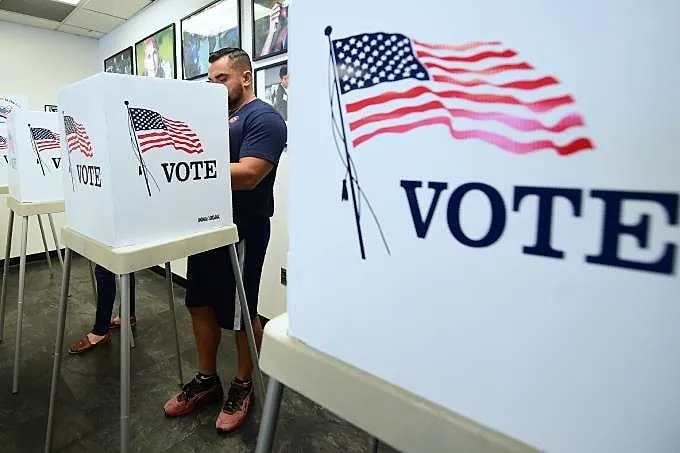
(120,63)
(155,54)
(206,30)
(271,85)
(270,28)
(50,108)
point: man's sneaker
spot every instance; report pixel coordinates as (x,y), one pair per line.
(193,393)
(235,409)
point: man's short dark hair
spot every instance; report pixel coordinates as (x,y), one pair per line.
(283,71)
(236,55)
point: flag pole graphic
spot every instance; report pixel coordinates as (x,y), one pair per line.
(35,148)
(348,164)
(143,170)
(68,151)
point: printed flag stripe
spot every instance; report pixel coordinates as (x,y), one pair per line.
(482,90)
(77,138)
(155,131)
(44,139)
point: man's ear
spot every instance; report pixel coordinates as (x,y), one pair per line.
(247,78)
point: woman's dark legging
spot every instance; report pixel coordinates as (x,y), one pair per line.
(106,292)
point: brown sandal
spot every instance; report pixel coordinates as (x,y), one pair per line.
(84,345)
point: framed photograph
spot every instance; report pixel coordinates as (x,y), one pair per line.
(120,63)
(271,85)
(155,54)
(211,28)
(270,28)
(50,108)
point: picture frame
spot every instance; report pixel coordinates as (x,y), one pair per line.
(269,28)
(51,108)
(210,28)
(156,54)
(120,63)
(271,85)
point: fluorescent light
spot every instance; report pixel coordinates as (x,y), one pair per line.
(68,2)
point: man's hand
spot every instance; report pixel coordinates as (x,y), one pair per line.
(248,172)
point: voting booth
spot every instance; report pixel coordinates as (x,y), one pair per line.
(484,212)
(34,157)
(4,158)
(10,102)
(142,162)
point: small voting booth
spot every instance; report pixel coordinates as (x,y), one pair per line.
(34,157)
(145,159)
(146,180)
(10,102)
(4,158)
(484,213)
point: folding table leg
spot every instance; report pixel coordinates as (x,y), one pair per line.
(171,303)
(20,304)
(259,382)
(270,416)
(375,443)
(125,377)
(58,346)
(93,279)
(5,269)
(56,240)
(44,239)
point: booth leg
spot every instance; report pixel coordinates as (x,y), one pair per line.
(56,240)
(58,346)
(171,304)
(93,279)
(247,320)
(270,416)
(374,445)
(5,269)
(20,304)
(44,239)
(125,331)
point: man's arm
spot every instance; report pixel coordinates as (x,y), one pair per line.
(261,148)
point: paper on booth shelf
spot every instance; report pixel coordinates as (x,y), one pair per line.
(4,158)
(34,156)
(521,160)
(146,159)
(9,103)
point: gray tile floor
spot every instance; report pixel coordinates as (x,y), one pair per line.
(87,415)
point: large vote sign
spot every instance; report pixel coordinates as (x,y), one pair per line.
(34,157)
(10,102)
(4,158)
(146,159)
(484,210)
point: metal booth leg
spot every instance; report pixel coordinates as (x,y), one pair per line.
(171,303)
(5,269)
(270,416)
(44,239)
(93,279)
(125,378)
(56,241)
(120,312)
(58,347)
(375,443)
(247,320)
(20,304)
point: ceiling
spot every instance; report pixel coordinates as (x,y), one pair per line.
(93,18)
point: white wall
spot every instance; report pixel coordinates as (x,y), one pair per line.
(159,15)
(38,62)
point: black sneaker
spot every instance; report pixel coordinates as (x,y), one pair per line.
(193,393)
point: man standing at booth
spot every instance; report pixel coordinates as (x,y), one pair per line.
(257,136)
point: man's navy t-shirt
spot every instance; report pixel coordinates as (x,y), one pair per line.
(256,130)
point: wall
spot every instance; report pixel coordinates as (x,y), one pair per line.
(159,15)
(38,62)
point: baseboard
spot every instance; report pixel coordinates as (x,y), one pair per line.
(14,261)
(178,279)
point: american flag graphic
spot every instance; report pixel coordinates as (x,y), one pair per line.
(155,131)
(5,111)
(3,143)
(44,139)
(76,137)
(392,84)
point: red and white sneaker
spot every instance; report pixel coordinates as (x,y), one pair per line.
(197,391)
(235,409)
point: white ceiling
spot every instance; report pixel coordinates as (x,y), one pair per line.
(93,18)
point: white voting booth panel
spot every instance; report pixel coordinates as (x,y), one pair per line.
(521,161)
(34,156)
(4,158)
(9,103)
(145,159)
